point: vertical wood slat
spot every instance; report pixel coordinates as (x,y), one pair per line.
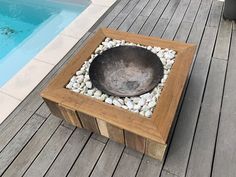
(54,108)
(111,131)
(155,149)
(70,116)
(89,122)
(135,141)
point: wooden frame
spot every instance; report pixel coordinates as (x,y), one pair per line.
(147,135)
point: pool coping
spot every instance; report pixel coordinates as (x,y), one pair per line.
(21,84)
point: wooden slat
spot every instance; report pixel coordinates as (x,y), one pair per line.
(149,167)
(128,164)
(177,159)
(204,140)
(154,17)
(54,108)
(133,15)
(43,111)
(134,141)
(89,122)
(176,19)
(69,154)
(225,155)
(9,153)
(155,150)
(108,160)
(33,148)
(215,14)
(88,158)
(223,40)
(123,14)
(70,116)
(46,157)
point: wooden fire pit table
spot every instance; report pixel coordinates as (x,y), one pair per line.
(146,135)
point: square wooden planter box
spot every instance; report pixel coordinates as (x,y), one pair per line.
(146,135)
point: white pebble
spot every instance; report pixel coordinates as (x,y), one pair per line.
(88,84)
(69,86)
(108,100)
(148,113)
(98,93)
(90,92)
(129,104)
(137,107)
(151,104)
(116,103)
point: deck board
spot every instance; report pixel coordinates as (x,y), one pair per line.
(35,143)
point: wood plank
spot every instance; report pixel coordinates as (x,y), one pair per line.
(155,150)
(200,22)
(128,164)
(135,141)
(111,131)
(160,27)
(192,11)
(123,14)
(69,154)
(88,158)
(33,148)
(108,160)
(12,126)
(153,18)
(178,154)
(185,28)
(176,20)
(129,20)
(43,111)
(70,116)
(48,154)
(202,152)
(165,173)
(225,153)
(9,153)
(223,40)
(54,108)
(215,14)
(170,9)
(88,122)
(111,16)
(149,167)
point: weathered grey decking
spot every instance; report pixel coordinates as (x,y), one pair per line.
(34,143)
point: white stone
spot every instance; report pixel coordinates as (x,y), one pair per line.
(69,86)
(149,48)
(97,93)
(129,104)
(136,100)
(151,104)
(121,101)
(108,100)
(73,79)
(90,92)
(79,72)
(88,84)
(148,113)
(116,103)
(141,102)
(124,107)
(137,107)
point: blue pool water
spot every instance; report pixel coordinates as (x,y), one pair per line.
(27,26)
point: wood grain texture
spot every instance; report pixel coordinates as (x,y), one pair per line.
(62,164)
(89,122)
(135,142)
(43,161)
(225,152)
(155,150)
(33,148)
(70,116)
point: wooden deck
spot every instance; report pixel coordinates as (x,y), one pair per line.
(34,143)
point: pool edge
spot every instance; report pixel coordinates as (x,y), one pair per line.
(16,90)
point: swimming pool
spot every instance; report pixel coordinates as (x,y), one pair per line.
(26,27)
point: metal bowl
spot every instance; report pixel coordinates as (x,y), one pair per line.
(126,71)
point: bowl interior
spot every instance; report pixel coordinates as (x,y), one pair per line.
(126,71)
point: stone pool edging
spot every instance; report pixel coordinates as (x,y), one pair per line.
(19,86)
